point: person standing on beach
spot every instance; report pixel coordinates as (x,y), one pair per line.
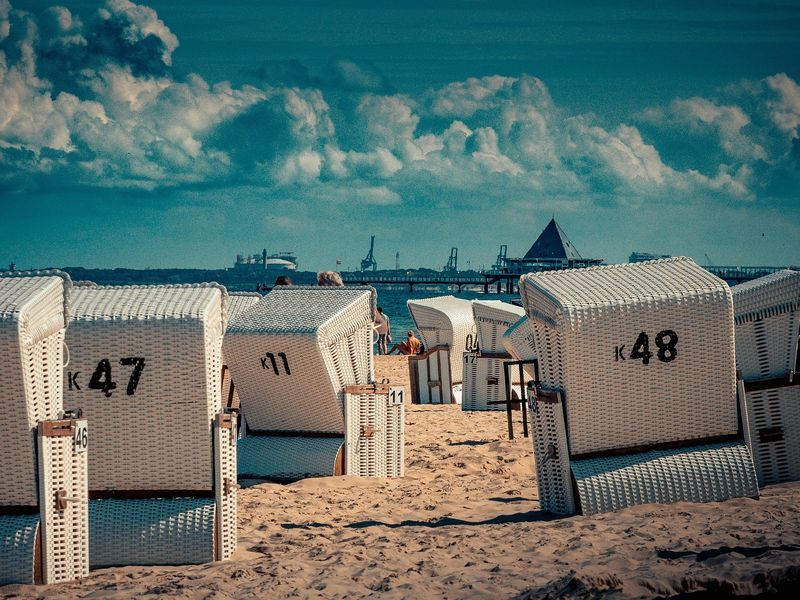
(384,329)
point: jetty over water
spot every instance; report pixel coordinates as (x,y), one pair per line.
(500,282)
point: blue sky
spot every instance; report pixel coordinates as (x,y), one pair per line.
(177,133)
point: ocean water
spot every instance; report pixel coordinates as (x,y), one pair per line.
(393,301)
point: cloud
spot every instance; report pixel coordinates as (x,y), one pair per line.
(93,101)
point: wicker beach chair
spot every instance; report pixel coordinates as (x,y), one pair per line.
(302,362)
(767,314)
(483,377)
(146,369)
(238,302)
(637,401)
(445,321)
(43,490)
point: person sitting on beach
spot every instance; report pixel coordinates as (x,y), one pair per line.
(411,345)
(283,280)
(329,278)
(384,330)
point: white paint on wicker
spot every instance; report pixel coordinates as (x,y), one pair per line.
(708,473)
(774,417)
(767,313)
(160,436)
(519,342)
(551,455)
(225,488)
(366,433)
(445,320)
(580,317)
(431,371)
(323,335)
(492,320)
(484,382)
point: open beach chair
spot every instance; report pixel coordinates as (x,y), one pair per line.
(637,401)
(484,386)
(146,369)
(767,314)
(302,361)
(43,489)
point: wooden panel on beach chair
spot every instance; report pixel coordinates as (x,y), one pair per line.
(431,382)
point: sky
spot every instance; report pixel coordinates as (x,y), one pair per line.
(179,133)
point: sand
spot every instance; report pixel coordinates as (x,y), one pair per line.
(465,523)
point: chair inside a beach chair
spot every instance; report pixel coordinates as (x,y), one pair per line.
(637,401)
(294,355)
(767,314)
(146,369)
(430,377)
(445,321)
(43,490)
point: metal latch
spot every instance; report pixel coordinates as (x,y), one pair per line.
(368,431)
(62,499)
(228,485)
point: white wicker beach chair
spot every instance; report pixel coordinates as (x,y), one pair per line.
(767,313)
(445,321)
(492,320)
(43,489)
(146,369)
(296,357)
(638,396)
(238,302)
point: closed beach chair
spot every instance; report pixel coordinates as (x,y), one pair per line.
(483,375)
(767,313)
(146,369)
(638,395)
(445,321)
(43,489)
(302,362)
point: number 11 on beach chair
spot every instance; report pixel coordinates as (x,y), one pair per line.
(302,362)
(43,490)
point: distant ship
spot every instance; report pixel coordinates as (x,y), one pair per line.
(261,261)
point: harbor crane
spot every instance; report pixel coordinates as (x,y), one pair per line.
(452,262)
(369,262)
(500,263)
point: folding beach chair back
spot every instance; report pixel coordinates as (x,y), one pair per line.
(492,320)
(238,302)
(146,368)
(43,517)
(767,313)
(445,321)
(629,350)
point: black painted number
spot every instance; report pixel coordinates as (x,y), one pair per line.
(101,378)
(268,362)
(666,342)
(138,367)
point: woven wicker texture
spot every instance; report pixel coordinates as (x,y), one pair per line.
(225,487)
(433,380)
(589,326)
(395,440)
(551,454)
(238,302)
(18,548)
(292,354)
(774,417)
(444,321)
(492,319)
(484,382)
(284,458)
(700,474)
(158,531)
(32,322)
(161,346)
(65,535)
(518,341)
(365,426)
(767,313)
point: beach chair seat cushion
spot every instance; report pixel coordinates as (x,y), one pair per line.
(290,458)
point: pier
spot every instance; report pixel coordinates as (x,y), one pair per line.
(508,283)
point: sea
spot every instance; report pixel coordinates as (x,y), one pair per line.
(393,301)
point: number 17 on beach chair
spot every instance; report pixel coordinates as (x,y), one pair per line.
(637,399)
(146,368)
(302,362)
(43,490)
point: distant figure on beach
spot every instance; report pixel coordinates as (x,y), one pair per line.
(411,345)
(329,278)
(283,280)
(384,329)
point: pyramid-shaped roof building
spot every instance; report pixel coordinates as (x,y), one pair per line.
(551,250)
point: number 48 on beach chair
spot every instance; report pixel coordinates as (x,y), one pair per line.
(43,490)
(637,398)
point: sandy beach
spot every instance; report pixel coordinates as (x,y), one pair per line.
(465,523)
